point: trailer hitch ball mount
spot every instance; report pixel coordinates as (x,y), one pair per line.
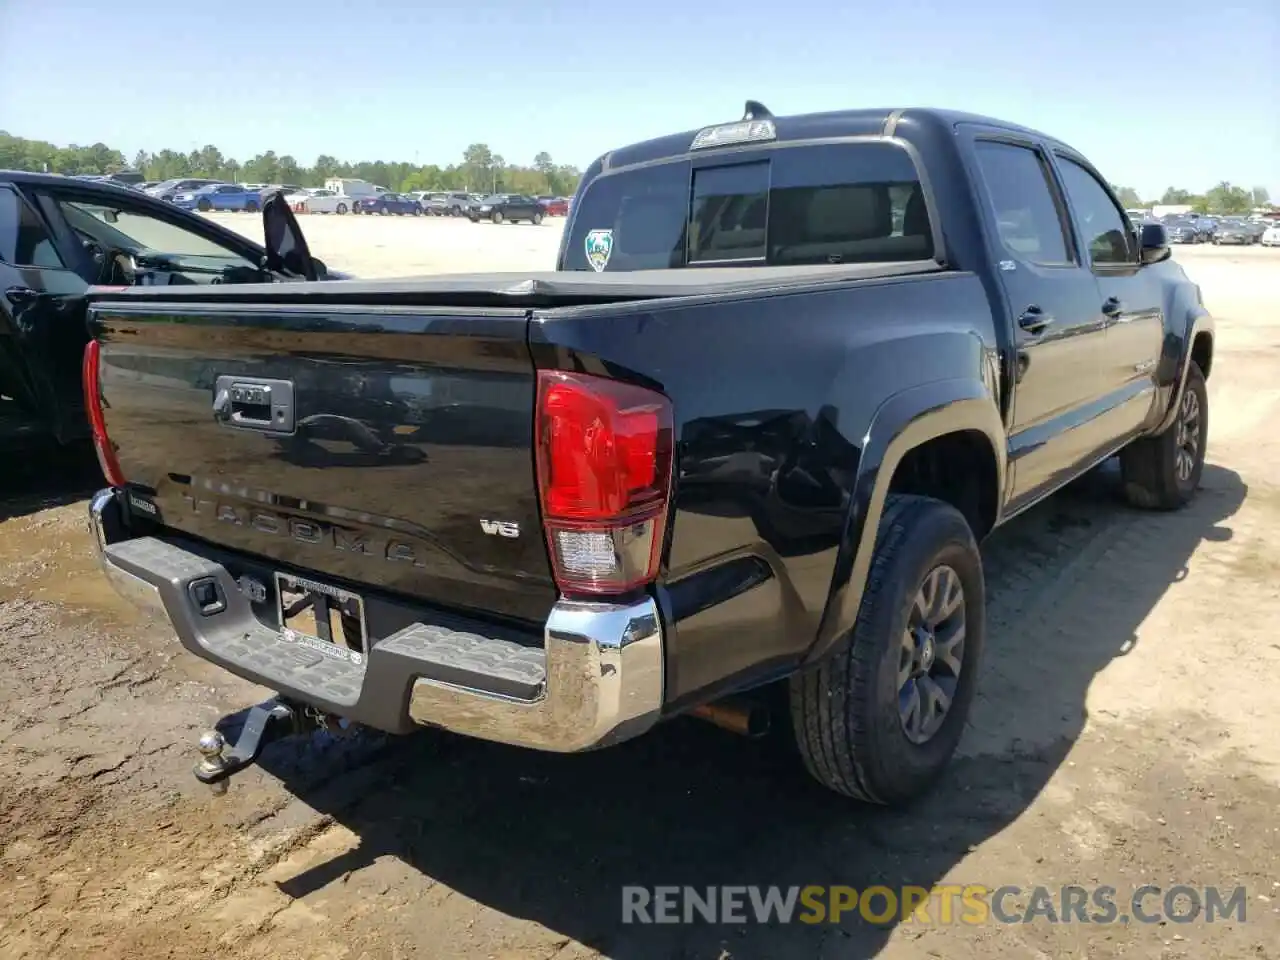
(263,724)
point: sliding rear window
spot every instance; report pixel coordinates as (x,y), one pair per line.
(822,203)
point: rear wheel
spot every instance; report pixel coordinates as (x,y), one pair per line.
(537,219)
(340,208)
(251,207)
(203,205)
(1163,472)
(496,216)
(879,717)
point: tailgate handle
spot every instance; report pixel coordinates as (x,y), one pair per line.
(254,403)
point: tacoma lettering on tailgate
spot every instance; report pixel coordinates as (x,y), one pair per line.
(306,531)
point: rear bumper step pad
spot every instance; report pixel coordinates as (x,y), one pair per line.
(597,679)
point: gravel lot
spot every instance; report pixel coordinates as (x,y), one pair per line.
(1125,733)
(391,246)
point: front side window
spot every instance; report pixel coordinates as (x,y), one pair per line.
(1027,219)
(807,204)
(24,241)
(1102,228)
(144,235)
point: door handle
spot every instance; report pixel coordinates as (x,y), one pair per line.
(1034,320)
(1112,307)
(21,296)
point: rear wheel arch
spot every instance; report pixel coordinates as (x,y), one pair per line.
(918,427)
(960,468)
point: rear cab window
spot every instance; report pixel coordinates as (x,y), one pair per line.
(827,203)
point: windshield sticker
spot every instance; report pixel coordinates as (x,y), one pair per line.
(599,244)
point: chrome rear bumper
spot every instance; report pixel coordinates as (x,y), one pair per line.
(602,663)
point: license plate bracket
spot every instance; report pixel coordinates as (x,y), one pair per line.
(322,617)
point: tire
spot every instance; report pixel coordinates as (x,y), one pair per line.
(417,211)
(537,219)
(251,207)
(1163,472)
(340,209)
(845,709)
(204,206)
(496,216)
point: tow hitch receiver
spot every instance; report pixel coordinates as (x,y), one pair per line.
(269,721)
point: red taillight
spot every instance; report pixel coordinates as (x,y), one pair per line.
(93,406)
(604,474)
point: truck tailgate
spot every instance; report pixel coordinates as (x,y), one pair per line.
(391,449)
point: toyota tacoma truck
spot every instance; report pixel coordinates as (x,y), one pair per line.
(745,439)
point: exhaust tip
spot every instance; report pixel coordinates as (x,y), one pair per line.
(751,720)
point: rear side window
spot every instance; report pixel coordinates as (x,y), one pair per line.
(811,204)
(24,241)
(1027,219)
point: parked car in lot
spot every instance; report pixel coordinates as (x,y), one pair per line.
(507,207)
(1271,234)
(740,447)
(555,206)
(353,190)
(385,203)
(284,188)
(320,200)
(435,204)
(1183,230)
(58,236)
(453,204)
(168,189)
(220,196)
(1235,232)
(1206,227)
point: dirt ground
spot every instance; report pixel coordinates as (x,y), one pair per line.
(1125,734)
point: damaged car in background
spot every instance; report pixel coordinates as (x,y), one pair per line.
(58,237)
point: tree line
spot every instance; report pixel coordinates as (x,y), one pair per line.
(1224,198)
(481,170)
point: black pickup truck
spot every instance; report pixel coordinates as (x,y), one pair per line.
(745,439)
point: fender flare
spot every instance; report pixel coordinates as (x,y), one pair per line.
(903,422)
(1199,321)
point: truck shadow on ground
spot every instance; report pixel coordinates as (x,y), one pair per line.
(554,839)
(32,480)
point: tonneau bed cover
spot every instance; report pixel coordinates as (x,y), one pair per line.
(532,288)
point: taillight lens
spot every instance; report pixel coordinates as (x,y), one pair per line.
(97,423)
(604,453)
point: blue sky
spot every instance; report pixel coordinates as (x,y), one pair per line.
(1155,93)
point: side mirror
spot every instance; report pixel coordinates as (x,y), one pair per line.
(111,216)
(1153,243)
(321,270)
